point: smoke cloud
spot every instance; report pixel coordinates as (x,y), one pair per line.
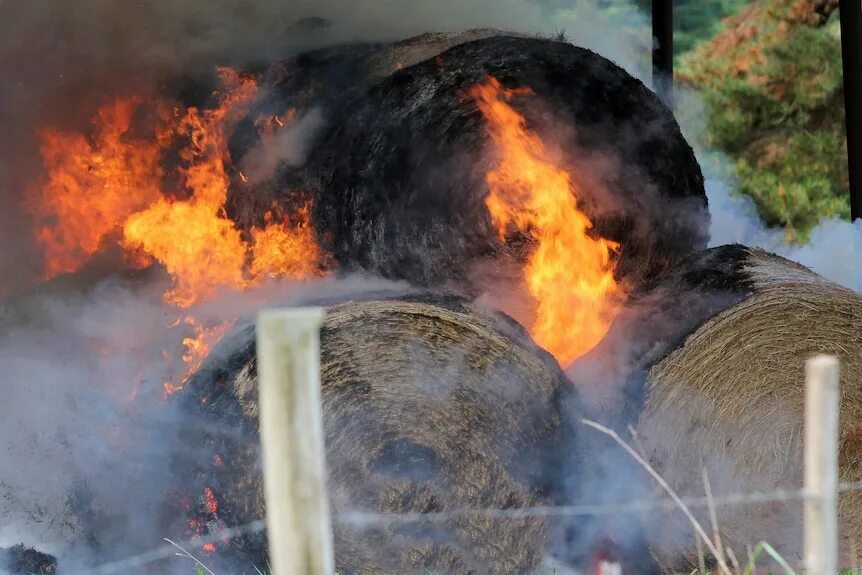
(87,434)
(834,246)
(288,146)
(832,251)
(83,434)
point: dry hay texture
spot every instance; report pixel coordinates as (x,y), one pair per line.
(730,398)
(427,407)
(397,175)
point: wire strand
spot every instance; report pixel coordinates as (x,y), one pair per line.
(365,520)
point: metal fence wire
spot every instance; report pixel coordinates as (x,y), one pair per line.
(367,520)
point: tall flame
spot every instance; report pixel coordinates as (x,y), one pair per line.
(200,247)
(285,248)
(570,274)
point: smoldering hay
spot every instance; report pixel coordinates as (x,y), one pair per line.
(723,377)
(430,404)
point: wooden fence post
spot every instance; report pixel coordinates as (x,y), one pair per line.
(291,432)
(822,404)
(662,56)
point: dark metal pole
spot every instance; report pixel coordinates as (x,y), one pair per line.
(662,56)
(851,54)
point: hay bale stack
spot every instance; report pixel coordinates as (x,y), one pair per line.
(427,407)
(730,395)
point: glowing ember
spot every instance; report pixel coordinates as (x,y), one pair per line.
(287,248)
(93,185)
(570,274)
(210,501)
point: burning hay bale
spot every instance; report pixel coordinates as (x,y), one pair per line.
(725,389)
(429,406)
(400,184)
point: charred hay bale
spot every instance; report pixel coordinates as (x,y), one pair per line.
(21,560)
(399,178)
(333,79)
(427,408)
(725,391)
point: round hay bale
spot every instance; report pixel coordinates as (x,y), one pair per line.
(725,391)
(399,178)
(428,407)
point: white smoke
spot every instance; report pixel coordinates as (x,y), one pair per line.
(834,249)
(86,433)
(289,146)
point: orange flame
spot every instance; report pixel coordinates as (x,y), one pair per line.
(200,247)
(570,274)
(112,183)
(287,248)
(210,501)
(197,348)
(93,185)
(110,186)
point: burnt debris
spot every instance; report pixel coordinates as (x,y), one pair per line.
(21,560)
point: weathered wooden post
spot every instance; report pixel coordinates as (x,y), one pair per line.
(291,432)
(662,57)
(851,56)
(822,405)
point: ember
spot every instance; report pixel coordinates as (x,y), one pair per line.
(210,501)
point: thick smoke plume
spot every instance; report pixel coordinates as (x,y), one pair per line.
(833,250)
(834,247)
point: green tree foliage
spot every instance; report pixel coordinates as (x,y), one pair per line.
(698,20)
(694,20)
(772,82)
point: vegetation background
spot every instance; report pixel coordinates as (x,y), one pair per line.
(769,72)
